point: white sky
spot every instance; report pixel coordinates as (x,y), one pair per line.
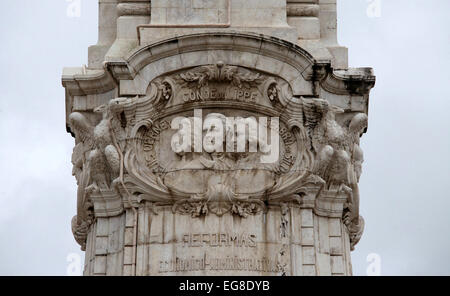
(404,195)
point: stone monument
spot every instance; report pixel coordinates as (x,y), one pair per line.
(217,138)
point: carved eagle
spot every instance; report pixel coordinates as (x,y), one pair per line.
(83,130)
(328,139)
(100,161)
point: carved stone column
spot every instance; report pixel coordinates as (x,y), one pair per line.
(145,208)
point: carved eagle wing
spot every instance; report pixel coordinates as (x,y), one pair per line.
(82,128)
(314,111)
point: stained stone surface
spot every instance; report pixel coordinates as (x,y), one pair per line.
(145,209)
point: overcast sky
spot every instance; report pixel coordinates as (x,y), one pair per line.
(405,198)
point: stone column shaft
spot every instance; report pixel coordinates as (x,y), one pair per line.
(288,206)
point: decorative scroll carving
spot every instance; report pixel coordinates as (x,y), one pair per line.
(355,230)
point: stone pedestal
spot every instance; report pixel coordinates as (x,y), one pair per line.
(284,206)
(291,241)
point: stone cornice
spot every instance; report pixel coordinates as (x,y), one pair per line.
(81,81)
(354,81)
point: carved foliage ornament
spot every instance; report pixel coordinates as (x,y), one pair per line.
(221,73)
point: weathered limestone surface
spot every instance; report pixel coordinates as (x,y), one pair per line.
(145,209)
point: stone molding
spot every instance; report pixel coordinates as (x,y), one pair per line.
(85,82)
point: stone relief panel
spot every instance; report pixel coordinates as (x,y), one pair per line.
(212,245)
(127,157)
